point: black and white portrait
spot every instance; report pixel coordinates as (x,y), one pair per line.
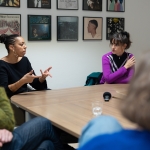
(92,28)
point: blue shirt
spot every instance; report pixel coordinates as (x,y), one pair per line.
(123,140)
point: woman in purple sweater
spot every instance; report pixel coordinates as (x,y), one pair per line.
(118,65)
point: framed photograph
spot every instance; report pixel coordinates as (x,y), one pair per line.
(39,27)
(114,25)
(68,5)
(10,3)
(67,28)
(93,5)
(39,3)
(10,24)
(92,28)
(115,5)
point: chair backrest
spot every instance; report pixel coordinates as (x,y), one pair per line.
(93,79)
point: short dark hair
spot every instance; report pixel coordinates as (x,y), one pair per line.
(122,37)
(94,22)
(8,40)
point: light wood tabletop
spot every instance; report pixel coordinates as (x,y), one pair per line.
(70,109)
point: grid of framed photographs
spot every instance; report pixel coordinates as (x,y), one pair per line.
(39,26)
(10,24)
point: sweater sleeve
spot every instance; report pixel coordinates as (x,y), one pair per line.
(122,75)
(38,85)
(126,78)
(7,120)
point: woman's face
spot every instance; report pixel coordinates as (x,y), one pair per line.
(19,47)
(117,48)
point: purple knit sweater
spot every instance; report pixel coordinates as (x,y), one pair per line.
(122,75)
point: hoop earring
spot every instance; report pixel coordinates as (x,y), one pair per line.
(15,54)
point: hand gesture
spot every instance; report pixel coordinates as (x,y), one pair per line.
(29,77)
(45,74)
(5,136)
(130,62)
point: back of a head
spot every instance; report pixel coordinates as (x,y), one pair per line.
(136,104)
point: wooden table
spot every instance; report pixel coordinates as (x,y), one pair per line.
(70,109)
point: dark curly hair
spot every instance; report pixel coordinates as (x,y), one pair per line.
(8,40)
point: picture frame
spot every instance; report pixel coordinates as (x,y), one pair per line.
(67,28)
(115,5)
(92,28)
(67,5)
(10,3)
(92,5)
(39,27)
(114,25)
(39,4)
(10,24)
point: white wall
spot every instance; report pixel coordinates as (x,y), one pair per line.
(73,61)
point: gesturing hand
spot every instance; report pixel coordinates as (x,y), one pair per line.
(130,62)
(29,77)
(45,74)
(5,136)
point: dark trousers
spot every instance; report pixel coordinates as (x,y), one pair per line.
(38,133)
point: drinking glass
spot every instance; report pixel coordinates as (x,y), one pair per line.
(97,107)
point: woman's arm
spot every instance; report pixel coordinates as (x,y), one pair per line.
(108,75)
(15,86)
(27,78)
(127,77)
(7,120)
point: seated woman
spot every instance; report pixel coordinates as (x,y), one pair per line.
(37,133)
(118,65)
(105,132)
(16,70)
